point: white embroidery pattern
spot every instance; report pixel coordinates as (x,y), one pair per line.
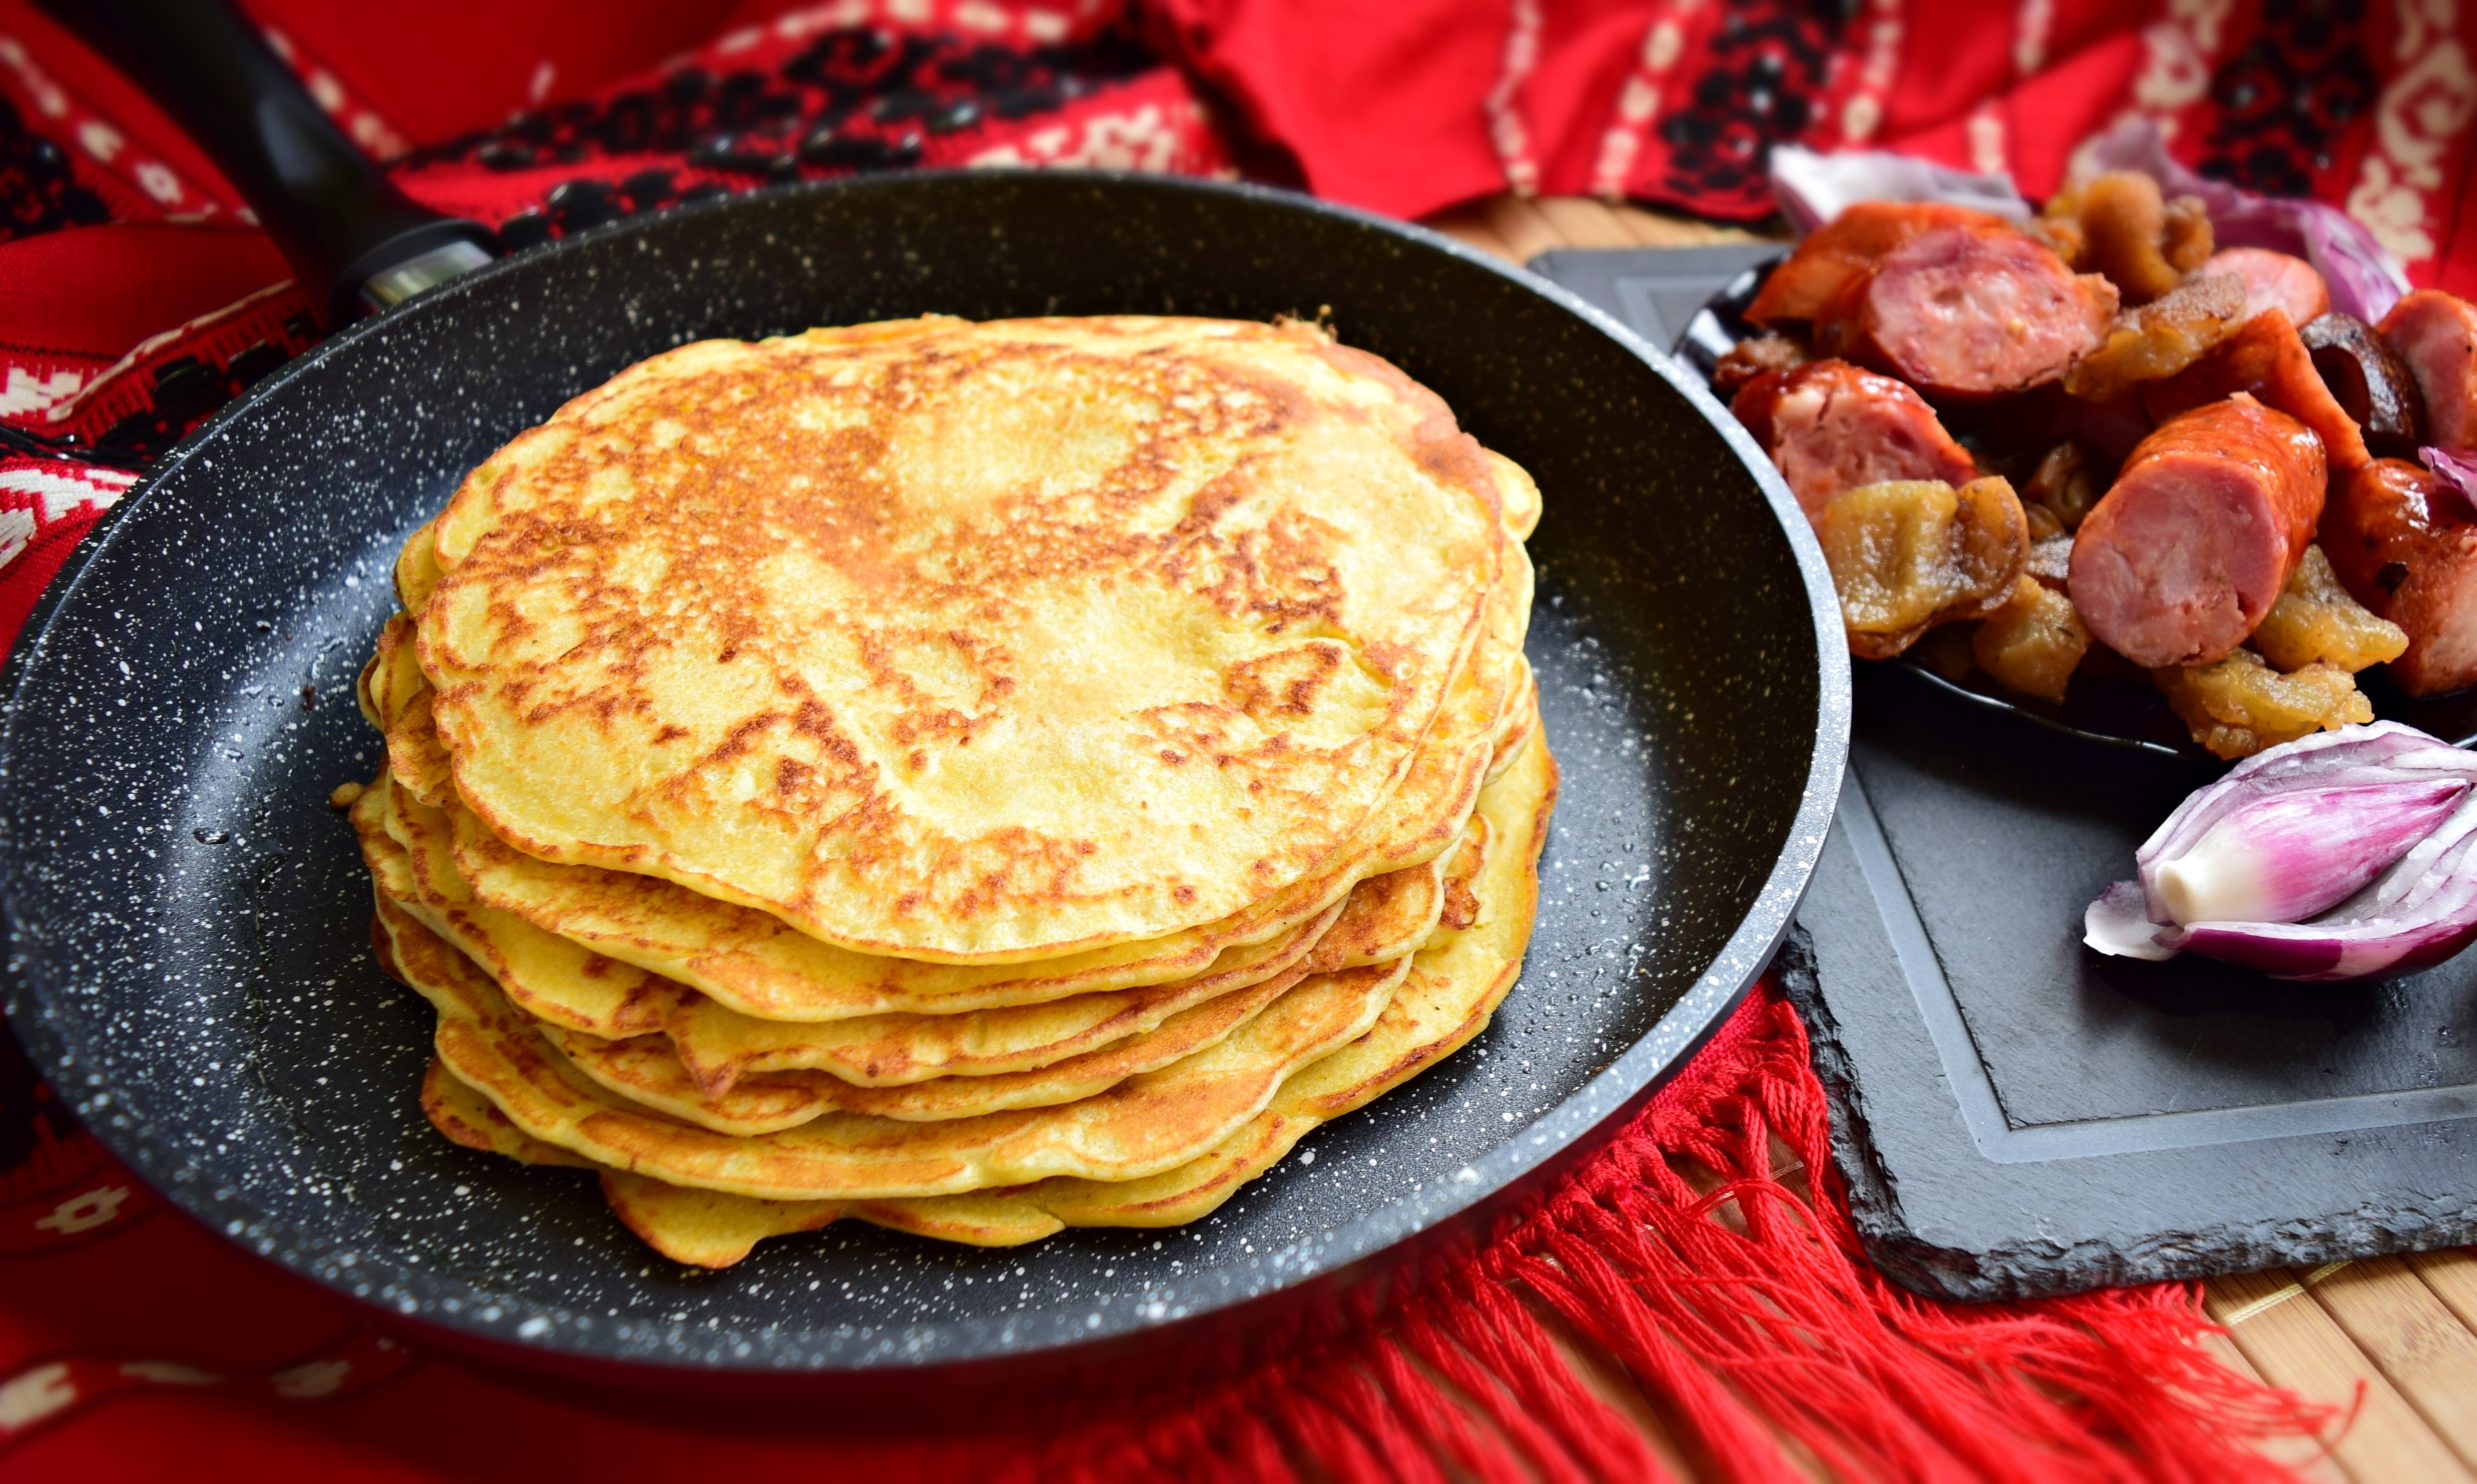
(2426,108)
(1664,41)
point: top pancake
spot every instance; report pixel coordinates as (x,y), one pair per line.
(967,643)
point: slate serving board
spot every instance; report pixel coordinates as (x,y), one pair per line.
(2013,1114)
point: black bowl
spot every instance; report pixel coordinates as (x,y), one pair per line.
(188,917)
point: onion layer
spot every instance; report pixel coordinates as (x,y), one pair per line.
(2337,856)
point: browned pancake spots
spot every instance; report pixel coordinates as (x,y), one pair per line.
(742,482)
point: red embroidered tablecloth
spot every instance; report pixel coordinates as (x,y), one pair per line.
(135,298)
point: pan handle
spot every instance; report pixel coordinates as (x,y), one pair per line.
(357,242)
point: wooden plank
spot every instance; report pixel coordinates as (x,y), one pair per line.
(1468,225)
(1524,226)
(2419,1344)
(2294,1342)
(1586,222)
(1666,228)
(2452,1275)
(2309,1458)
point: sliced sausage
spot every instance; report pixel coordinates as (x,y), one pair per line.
(2274,280)
(2266,359)
(2190,548)
(2404,543)
(1967,312)
(2369,382)
(1831,427)
(2436,333)
(1845,246)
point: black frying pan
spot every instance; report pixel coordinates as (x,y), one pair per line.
(188,917)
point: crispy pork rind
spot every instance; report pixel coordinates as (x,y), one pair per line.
(2315,622)
(2034,642)
(2238,706)
(2051,559)
(1751,357)
(2068,481)
(2064,233)
(1912,554)
(2143,244)
(2153,341)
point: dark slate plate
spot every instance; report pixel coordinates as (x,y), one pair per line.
(2015,1115)
(188,917)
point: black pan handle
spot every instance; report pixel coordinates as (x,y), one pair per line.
(356,241)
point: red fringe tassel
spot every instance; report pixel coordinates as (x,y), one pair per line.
(1747,1316)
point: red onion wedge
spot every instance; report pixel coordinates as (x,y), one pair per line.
(2457,468)
(2339,856)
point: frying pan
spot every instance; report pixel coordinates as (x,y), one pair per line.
(189,919)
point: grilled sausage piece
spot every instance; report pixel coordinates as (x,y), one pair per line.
(2404,543)
(2191,547)
(2369,382)
(1831,427)
(2267,360)
(2274,280)
(1846,246)
(1967,312)
(2436,333)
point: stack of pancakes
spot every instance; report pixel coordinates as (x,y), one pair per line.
(979,779)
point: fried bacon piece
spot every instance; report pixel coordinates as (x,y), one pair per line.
(2370,381)
(2034,642)
(2155,341)
(1846,246)
(2051,559)
(1912,554)
(1753,357)
(2238,706)
(2067,483)
(2315,622)
(2141,243)
(2266,358)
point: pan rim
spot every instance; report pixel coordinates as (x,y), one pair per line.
(44,1017)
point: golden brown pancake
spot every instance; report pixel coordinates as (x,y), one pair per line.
(1383,918)
(647,1070)
(754,963)
(1521,719)
(469,1118)
(566,985)
(970,643)
(1146,1123)
(551,978)
(1453,988)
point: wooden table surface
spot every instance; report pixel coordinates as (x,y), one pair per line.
(2402,1328)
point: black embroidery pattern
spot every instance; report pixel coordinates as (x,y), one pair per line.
(1762,83)
(38,189)
(852,101)
(2285,98)
(188,389)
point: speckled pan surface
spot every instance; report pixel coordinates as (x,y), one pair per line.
(188,918)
